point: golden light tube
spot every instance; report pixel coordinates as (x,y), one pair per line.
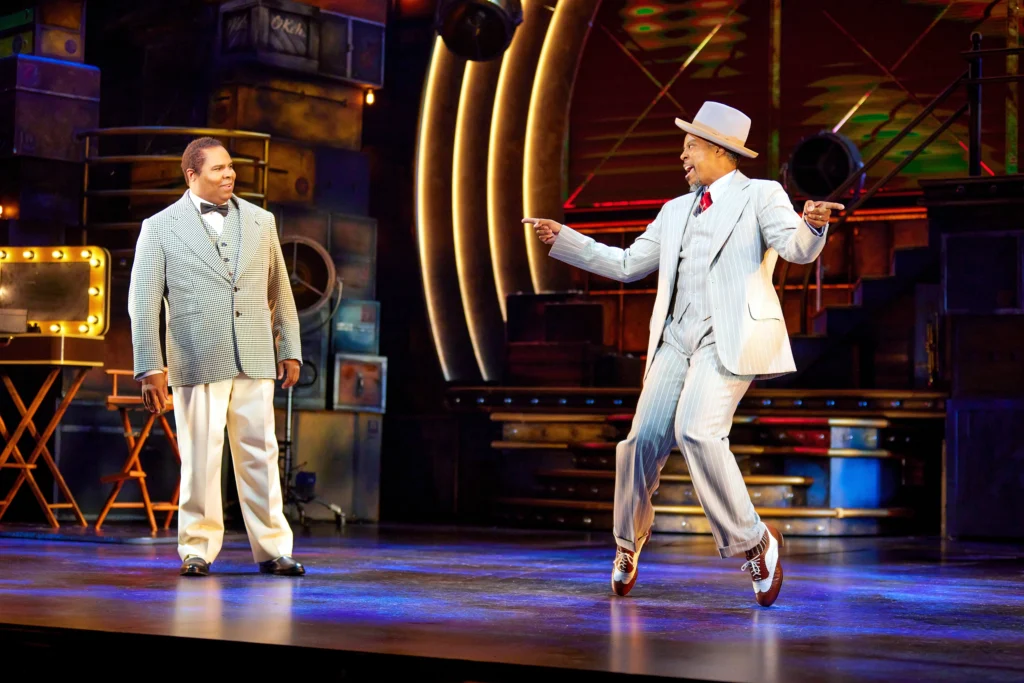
(509,258)
(469,216)
(433,202)
(546,128)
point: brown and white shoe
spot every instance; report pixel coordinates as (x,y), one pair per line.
(765,566)
(624,570)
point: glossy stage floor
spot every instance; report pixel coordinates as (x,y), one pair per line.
(484,605)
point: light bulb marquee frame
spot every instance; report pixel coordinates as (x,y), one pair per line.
(97,322)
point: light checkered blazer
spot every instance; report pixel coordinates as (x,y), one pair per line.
(753,224)
(211,304)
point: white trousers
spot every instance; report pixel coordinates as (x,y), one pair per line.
(246,407)
(689,400)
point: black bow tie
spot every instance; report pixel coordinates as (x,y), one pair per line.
(206,207)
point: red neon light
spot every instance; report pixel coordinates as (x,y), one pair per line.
(807,450)
(983,164)
(793,421)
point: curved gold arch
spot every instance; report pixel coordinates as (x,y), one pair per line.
(434,230)
(469,216)
(521,107)
(505,154)
(548,121)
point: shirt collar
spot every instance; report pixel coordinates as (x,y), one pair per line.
(717,188)
(196,201)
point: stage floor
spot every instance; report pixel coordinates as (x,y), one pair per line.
(465,604)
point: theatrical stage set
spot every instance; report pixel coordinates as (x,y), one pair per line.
(696,330)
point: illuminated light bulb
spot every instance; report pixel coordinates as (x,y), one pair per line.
(55,328)
(93,320)
(83,328)
(371,97)
(57,253)
(86,253)
(94,291)
(28,254)
(95,263)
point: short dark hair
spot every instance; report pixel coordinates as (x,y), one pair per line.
(195,154)
(733,156)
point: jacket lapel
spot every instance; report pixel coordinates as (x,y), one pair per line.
(250,237)
(725,214)
(677,223)
(188,226)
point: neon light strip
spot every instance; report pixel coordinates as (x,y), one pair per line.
(423,155)
(460,222)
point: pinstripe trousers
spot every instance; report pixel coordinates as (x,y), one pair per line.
(689,399)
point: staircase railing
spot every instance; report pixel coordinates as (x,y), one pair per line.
(971,78)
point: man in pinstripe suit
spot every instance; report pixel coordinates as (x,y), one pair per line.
(717,325)
(232,328)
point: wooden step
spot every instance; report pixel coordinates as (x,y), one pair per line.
(18,466)
(785,421)
(737,449)
(591,401)
(690,519)
(750,480)
(674,489)
(778,513)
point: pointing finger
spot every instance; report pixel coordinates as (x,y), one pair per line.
(830,205)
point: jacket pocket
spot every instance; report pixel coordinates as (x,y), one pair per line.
(762,311)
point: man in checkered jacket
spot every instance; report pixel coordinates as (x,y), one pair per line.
(232,329)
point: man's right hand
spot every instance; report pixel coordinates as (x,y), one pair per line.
(547,230)
(154,392)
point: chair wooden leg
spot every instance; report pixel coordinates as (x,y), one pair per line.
(41,450)
(25,475)
(147,504)
(135,446)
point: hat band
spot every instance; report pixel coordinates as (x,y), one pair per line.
(714,133)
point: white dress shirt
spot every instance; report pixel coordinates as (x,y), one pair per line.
(212,219)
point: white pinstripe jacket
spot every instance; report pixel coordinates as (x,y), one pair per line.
(754,224)
(211,304)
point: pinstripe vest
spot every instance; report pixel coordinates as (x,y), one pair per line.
(691,314)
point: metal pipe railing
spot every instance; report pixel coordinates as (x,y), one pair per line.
(973,80)
(88,136)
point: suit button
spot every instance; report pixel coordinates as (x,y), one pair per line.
(226,260)
(236,289)
(223,244)
(238,314)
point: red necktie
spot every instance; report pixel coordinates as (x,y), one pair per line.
(705,201)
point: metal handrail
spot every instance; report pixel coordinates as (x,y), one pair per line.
(88,135)
(173,130)
(973,79)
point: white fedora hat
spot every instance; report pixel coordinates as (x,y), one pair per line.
(722,125)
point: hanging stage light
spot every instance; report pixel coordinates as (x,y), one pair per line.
(478,30)
(822,162)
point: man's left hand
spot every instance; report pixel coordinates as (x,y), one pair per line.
(818,213)
(288,370)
